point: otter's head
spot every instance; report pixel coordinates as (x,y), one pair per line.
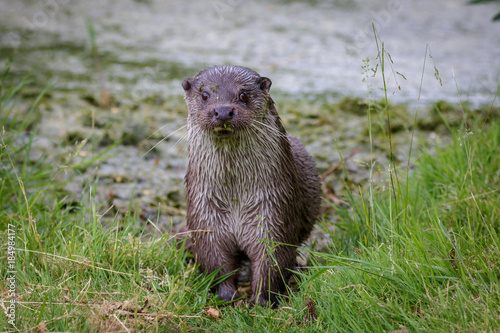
(224,100)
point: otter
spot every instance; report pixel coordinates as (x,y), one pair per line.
(252,190)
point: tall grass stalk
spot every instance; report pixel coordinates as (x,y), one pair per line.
(432,262)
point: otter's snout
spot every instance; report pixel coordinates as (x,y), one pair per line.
(223,114)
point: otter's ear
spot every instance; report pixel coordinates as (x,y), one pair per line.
(186,84)
(265,84)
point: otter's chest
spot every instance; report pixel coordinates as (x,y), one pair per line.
(236,190)
(239,190)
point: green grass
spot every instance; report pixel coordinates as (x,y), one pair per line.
(430,265)
(420,253)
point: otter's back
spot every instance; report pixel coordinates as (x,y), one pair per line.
(311,188)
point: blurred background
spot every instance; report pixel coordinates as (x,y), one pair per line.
(114,69)
(307,47)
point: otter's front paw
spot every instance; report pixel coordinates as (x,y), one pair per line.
(228,294)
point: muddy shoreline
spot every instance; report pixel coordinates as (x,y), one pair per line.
(108,153)
(118,92)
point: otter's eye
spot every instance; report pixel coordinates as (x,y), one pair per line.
(205,95)
(244,97)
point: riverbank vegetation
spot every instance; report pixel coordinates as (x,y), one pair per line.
(418,250)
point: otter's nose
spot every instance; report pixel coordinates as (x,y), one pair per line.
(223,113)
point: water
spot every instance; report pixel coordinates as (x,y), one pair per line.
(307,48)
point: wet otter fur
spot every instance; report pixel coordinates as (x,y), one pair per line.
(248,182)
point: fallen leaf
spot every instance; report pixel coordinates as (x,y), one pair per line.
(41,328)
(212,312)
